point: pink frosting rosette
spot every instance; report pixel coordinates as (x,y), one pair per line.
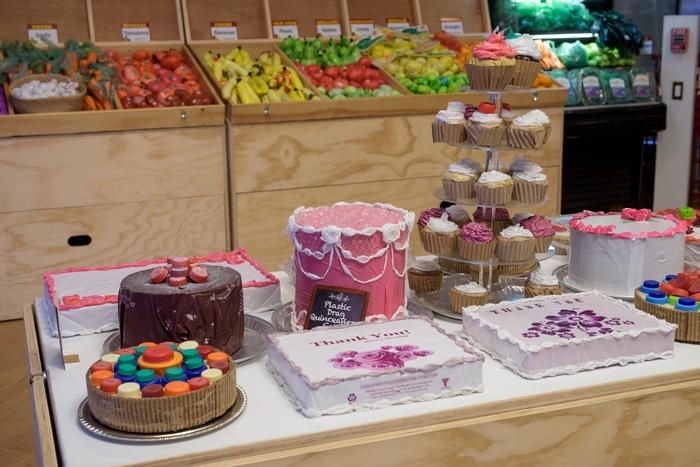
(476,232)
(426,215)
(539,226)
(636,215)
(493,48)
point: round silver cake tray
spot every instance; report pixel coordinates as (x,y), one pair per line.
(509,288)
(551,251)
(282,315)
(253,346)
(93,426)
(440,194)
(562,273)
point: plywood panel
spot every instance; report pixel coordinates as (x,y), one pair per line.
(261,218)
(249,16)
(305,13)
(379,11)
(70,17)
(161,16)
(470,11)
(331,152)
(33,242)
(79,170)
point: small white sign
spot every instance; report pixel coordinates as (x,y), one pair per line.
(328,27)
(43,32)
(224,30)
(285,28)
(136,32)
(454,26)
(397,24)
(362,27)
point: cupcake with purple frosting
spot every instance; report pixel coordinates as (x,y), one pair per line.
(476,242)
(543,231)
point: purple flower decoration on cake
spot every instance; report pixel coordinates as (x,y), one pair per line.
(352,397)
(383,359)
(567,323)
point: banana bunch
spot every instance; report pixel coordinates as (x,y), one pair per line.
(247,81)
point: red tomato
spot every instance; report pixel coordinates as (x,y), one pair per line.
(370,84)
(141,55)
(365,61)
(130,73)
(667,289)
(340,83)
(313,68)
(355,74)
(332,71)
(343,71)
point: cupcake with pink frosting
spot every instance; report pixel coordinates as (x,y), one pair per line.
(543,231)
(437,233)
(492,65)
(496,218)
(476,242)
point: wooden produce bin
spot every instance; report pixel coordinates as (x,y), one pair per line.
(80,189)
(285,155)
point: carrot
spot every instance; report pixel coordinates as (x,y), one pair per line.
(98,75)
(48,68)
(94,89)
(92,57)
(90,102)
(107,105)
(83,65)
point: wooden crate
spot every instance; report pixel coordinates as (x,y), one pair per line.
(132,184)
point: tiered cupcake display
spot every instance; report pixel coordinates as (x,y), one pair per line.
(474,252)
(161,388)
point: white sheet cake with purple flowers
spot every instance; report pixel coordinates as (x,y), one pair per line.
(332,370)
(565,334)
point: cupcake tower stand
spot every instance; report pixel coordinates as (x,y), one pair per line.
(508,283)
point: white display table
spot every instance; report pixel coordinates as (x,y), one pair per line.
(640,413)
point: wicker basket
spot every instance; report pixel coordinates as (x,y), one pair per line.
(47,104)
(163,414)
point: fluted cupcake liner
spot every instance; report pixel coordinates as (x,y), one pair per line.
(542,243)
(520,249)
(479,135)
(548,131)
(476,251)
(688,321)
(474,271)
(562,241)
(496,226)
(459,300)
(448,133)
(489,78)
(492,196)
(515,269)
(526,139)
(532,290)
(454,266)
(458,190)
(425,282)
(525,73)
(437,243)
(529,192)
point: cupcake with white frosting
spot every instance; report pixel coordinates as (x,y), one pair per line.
(469,294)
(424,276)
(527,60)
(438,235)
(458,180)
(541,283)
(530,130)
(494,188)
(448,126)
(506,113)
(485,127)
(515,243)
(530,182)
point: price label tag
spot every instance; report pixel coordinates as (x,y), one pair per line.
(397,24)
(43,32)
(333,306)
(362,27)
(328,27)
(454,26)
(136,32)
(285,28)
(224,30)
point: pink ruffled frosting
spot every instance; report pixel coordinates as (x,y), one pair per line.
(476,232)
(501,214)
(426,215)
(539,226)
(577,224)
(636,214)
(493,48)
(354,216)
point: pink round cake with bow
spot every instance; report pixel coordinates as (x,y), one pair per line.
(356,246)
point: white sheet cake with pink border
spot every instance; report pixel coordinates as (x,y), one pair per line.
(564,334)
(86,298)
(334,370)
(357,246)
